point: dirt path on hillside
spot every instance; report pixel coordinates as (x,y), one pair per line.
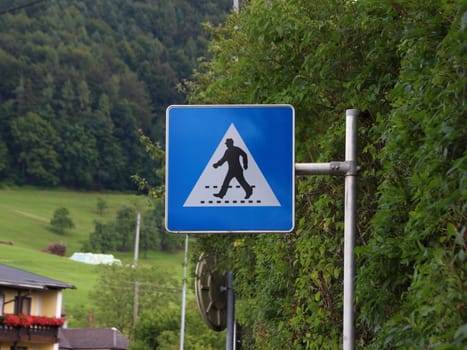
(32,216)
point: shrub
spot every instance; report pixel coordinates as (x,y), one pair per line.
(56,248)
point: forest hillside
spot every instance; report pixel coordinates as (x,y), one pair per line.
(81,79)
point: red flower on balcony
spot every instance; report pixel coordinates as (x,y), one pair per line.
(29,320)
(48,321)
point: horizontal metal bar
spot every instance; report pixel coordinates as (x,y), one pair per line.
(332,168)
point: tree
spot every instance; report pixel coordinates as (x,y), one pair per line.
(78,156)
(110,161)
(113,297)
(161,330)
(101,205)
(152,325)
(3,159)
(153,233)
(419,228)
(34,149)
(96,76)
(125,225)
(400,64)
(150,232)
(126,134)
(61,221)
(104,238)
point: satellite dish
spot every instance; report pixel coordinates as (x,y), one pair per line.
(211,293)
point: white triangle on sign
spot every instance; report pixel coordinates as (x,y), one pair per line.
(211,179)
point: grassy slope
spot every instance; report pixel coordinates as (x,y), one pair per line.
(25,214)
(82,276)
(24,217)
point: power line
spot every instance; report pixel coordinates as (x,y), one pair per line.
(20,7)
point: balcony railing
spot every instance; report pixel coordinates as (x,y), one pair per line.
(33,334)
(35,329)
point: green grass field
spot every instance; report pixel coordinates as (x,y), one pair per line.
(82,276)
(25,214)
(24,219)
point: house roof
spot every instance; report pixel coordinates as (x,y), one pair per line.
(92,338)
(16,278)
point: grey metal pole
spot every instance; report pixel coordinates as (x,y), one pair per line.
(138,224)
(229,339)
(332,168)
(135,264)
(135,303)
(182,320)
(349,169)
(350,221)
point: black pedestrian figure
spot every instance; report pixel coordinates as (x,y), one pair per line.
(232,157)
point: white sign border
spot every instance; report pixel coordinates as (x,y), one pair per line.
(237,232)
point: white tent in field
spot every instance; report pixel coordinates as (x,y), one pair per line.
(95,259)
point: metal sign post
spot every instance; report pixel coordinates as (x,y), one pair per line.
(218,305)
(182,320)
(350,224)
(230,337)
(349,169)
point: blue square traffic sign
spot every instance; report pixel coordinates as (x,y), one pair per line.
(230,168)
